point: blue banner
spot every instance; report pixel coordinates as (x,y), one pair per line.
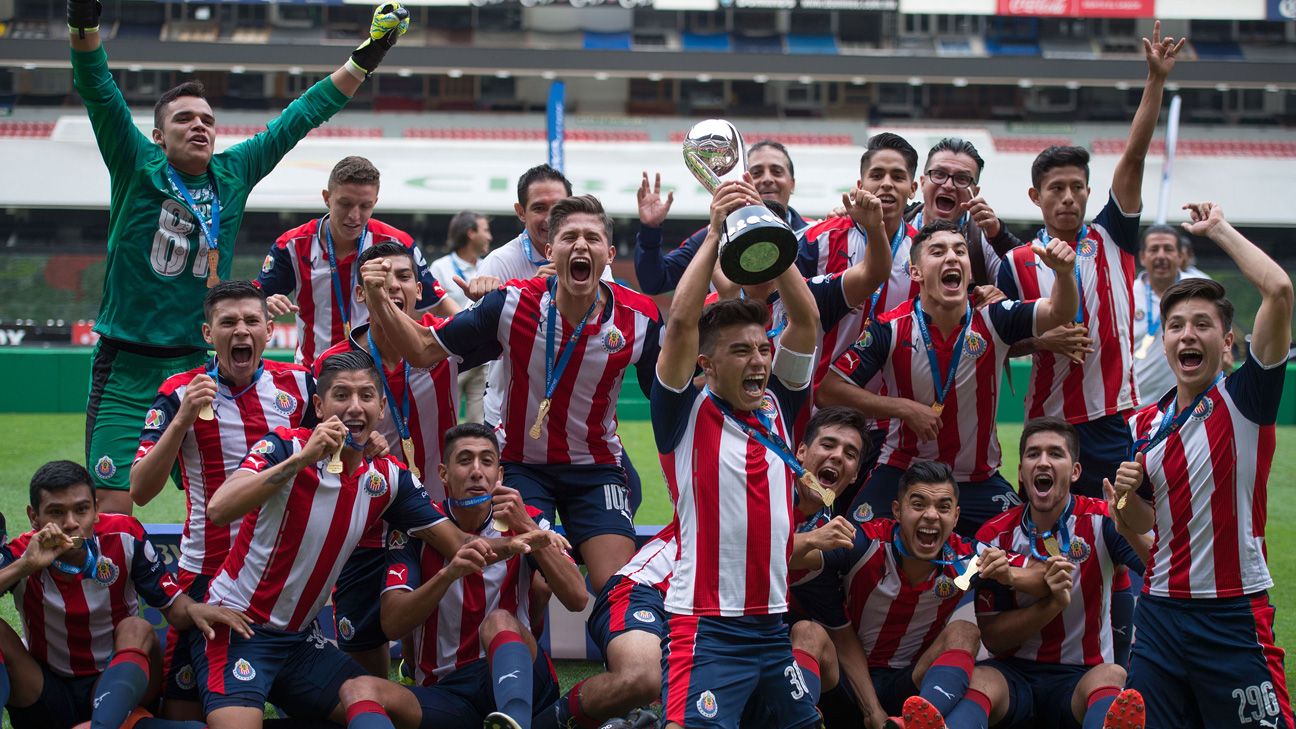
(1282,9)
(554,124)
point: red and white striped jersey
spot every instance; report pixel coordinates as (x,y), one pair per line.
(290,550)
(894,347)
(448,639)
(733,501)
(69,620)
(652,565)
(511,322)
(863,587)
(1104,384)
(212,449)
(297,266)
(1082,634)
(1208,482)
(835,245)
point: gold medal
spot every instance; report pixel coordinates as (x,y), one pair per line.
(498,525)
(1120,504)
(541,414)
(811,481)
(964,581)
(335,463)
(1051,547)
(407,446)
(206,412)
(938,408)
(78,542)
(346,330)
(213,258)
(1145,346)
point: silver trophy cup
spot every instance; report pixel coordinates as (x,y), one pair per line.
(756,245)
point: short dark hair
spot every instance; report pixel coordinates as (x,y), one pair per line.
(957,145)
(895,143)
(353,360)
(930,229)
(461,225)
(464,431)
(777,146)
(578,205)
(385,250)
(540,173)
(57,476)
(230,290)
(188,88)
(1055,157)
(1180,241)
(1199,288)
(728,313)
(926,472)
(353,170)
(1049,424)
(837,415)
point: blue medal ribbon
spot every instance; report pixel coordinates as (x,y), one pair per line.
(210,229)
(527,251)
(343,300)
(896,240)
(554,369)
(947,552)
(213,371)
(1154,326)
(469,502)
(87,569)
(1060,530)
(401,416)
(764,435)
(1171,422)
(454,263)
(1042,237)
(942,385)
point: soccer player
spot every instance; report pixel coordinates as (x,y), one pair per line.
(470,239)
(565,342)
(421,408)
(1205,653)
(725,456)
(774,177)
(317,262)
(1055,655)
(629,617)
(1160,253)
(77,580)
(308,495)
(475,659)
(174,213)
(888,600)
(247,396)
(1083,371)
(941,361)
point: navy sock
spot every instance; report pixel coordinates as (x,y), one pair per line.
(809,672)
(947,680)
(4,682)
(152,722)
(1122,619)
(368,715)
(511,679)
(1099,701)
(120,689)
(973,712)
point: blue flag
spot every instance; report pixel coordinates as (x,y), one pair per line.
(554,124)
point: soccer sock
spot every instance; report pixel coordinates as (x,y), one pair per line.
(1122,618)
(152,722)
(120,689)
(368,715)
(810,672)
(1099,701)
(973,712)
(568,712)
(510,670)
(947,680)
(4,682)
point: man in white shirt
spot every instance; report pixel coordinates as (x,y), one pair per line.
(1162,253)
(469,240)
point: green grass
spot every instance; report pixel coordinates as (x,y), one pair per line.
(34,439)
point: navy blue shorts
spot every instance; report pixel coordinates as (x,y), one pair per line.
(463,698)
(298,671)
(712,667)
(1039,694)
(893,686)
(64,701)
(180,683)
(1104,445)
(356,617)
(622,606)
(590,500)
(1209,663)
(979,501)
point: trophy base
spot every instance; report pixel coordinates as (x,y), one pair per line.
(757,246)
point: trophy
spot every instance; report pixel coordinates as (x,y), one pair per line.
(756,245)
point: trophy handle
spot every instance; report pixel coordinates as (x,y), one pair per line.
(700,171)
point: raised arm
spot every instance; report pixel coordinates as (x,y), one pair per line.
(861,280)
(246,489)
(1127,179)
(149,473)
(802,333)
(415,343)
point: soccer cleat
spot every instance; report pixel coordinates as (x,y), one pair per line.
(500,720)
(615,723)
(405,674)
(1126,712)
(920,714)
(643,718)
(893,722)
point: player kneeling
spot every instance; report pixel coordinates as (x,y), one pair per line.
(77,579)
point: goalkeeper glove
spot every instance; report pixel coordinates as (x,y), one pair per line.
(390,21)
(83,16)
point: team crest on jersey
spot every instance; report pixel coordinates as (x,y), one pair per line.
(1087,248)
(707,705)
(375,484)
(614,341)
(153,419)
(974,345)
(865,340)
(184,677)
(106,572)
(1079,550)
(267,264)
(767,406)
(243,670)
(284,404)
(863,513)
(105,468)
(1203,409)
(944,588)
(263,447)
(645,616)
(345,629)
(396,539)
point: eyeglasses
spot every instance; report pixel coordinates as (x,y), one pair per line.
(960,179)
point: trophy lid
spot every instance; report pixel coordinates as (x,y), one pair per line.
(718,144)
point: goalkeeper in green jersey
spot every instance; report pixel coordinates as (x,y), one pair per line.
(175,209)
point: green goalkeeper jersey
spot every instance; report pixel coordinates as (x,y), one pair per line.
(156,273)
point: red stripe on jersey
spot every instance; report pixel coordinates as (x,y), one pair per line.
(33,613)
(212,539)
(679,666)
(1223,507)
(758,540)
(305,306)
(706,510)
(1180,504)
(895,627)
(322,567)
(77,608)
(474,612)
(901,361)
(522,342)
(281,560)
(118,606)
(556,439)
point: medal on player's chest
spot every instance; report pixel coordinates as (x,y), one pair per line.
(964,580)
(555,367)
(1051,547)
(542,412)
(407,447)
(943,384)
(938,408)
(1145,346)
(335,463)
(213,260)
(811,482)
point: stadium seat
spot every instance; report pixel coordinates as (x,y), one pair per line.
(596,41)
(705,42)
(825,44)
(31,129)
